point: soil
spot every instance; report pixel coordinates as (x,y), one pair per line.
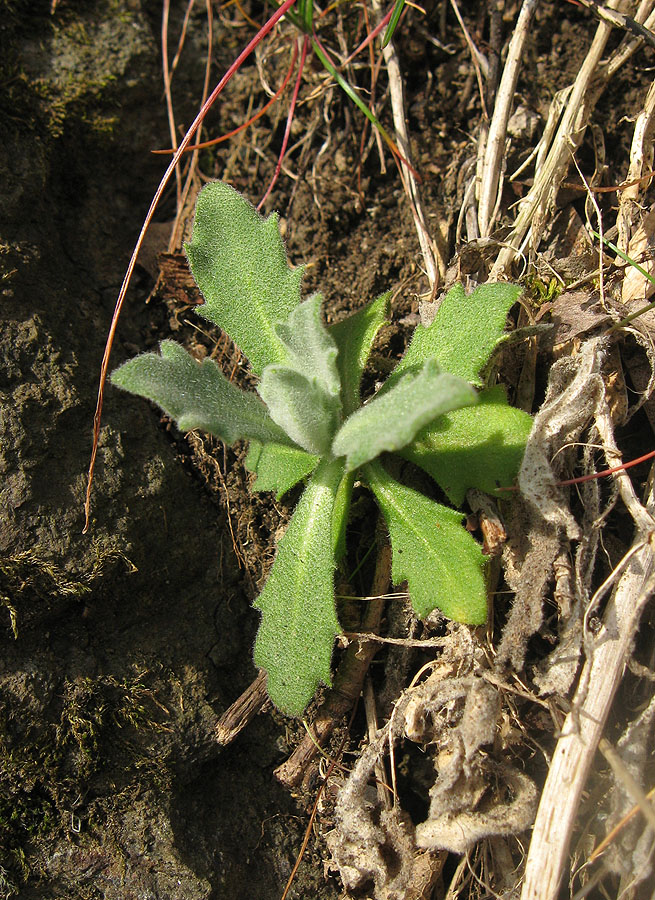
(122,647)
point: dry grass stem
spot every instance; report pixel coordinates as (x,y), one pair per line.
(607,840)
(479,59)
(494,150)
(645,15)
(549,175)
(583,727)
(383,792)
(630,785)
(480,62)
(433,259)
(635,226)
(185,193)
(641,161)
(398,642)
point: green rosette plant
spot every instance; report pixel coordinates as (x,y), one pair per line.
(307,421)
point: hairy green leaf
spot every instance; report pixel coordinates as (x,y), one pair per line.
(310,381)
(300,407)
(299,623)
(354,337)
(391,420)
(340,515)
(303,395)
(197,395)
(238,261)
(479,447)
(442,564)
(278,468)
(465,330)
(311,349)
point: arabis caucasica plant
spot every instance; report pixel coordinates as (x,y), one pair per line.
(307,423)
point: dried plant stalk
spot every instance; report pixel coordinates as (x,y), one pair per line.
(641,161)
(584,725)
(242,711)
(495,146)
(567,139)
(434,259)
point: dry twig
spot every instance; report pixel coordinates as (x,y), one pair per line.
(583,727)
(554,158)
(242,711)
(495,145)
(433,256)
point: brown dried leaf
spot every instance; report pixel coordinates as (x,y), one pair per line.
(176,281)
(574,314)
(637,290)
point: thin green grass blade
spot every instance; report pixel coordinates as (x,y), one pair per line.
(625,257)
(641,270)
(393,22)
(350,92)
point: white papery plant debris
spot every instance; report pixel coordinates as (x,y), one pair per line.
(575,390)
(455,717)
(631,856)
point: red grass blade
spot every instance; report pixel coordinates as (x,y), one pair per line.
(582,478)
(261,34)
(287,130)
(230,134)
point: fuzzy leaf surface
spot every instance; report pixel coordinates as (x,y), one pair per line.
(299,622)
(300,407)
(391,420)
(311,349)
(278,468)
(197,395)
(354,337)
(464,332)
(479,447)
(442,564)
(340,515)
(238,261)
(303,394)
